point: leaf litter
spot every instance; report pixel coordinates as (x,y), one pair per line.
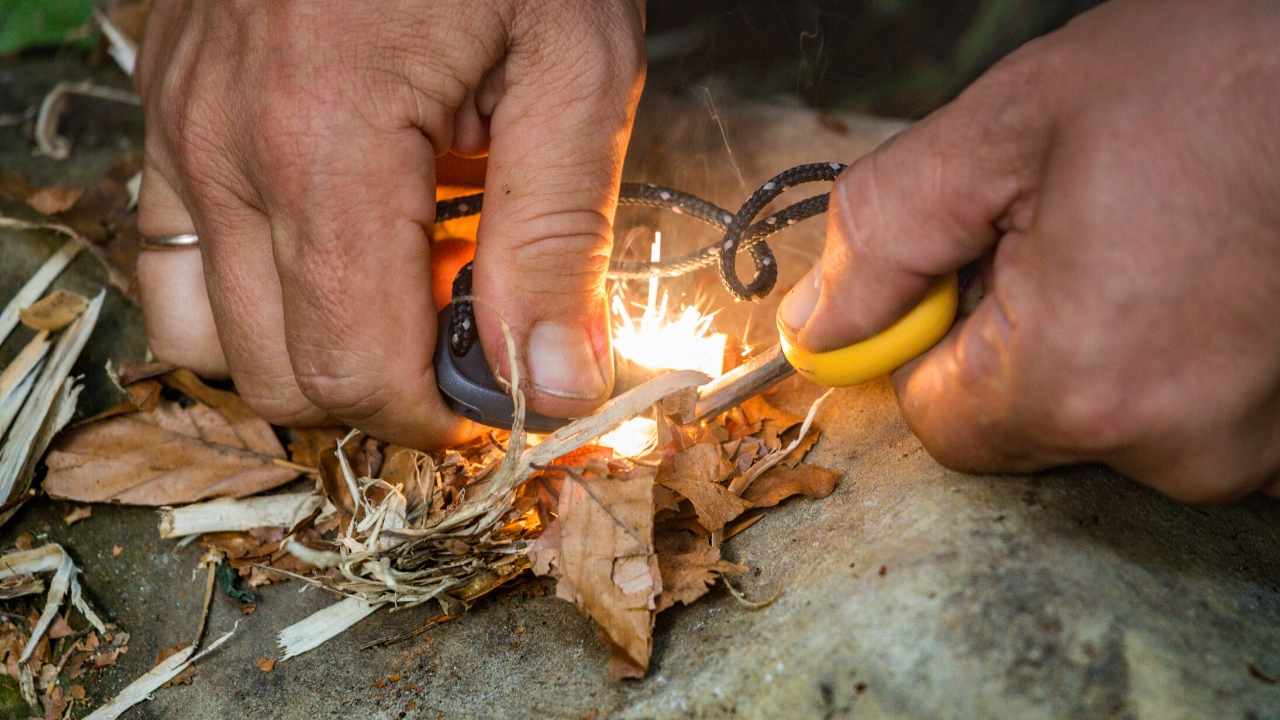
(624,537)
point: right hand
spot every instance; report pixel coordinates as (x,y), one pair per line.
(1120,178)
(300,138)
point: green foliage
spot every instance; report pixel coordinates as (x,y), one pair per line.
(12,706)
(35,23)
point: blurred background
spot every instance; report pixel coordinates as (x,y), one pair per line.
(898,58)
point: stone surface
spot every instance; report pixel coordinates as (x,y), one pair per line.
(910,592)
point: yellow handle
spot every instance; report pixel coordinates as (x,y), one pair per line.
(909,337)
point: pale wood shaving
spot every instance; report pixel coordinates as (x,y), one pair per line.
(231,515)
(140,690)
(48,409)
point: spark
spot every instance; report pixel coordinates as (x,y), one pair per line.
(663,339)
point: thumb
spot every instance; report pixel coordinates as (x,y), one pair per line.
(558,137)
(922,205)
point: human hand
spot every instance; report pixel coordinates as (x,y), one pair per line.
(1120,181)
(300,140)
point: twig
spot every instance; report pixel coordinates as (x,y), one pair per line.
(208,602)
(409,634)
(742,599)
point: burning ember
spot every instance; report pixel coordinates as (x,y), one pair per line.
(662,339)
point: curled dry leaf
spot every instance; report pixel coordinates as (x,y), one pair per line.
(783,482)
(266,664)
(696,474)
(689,569)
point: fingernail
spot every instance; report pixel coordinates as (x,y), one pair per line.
(562,362)
(799,303)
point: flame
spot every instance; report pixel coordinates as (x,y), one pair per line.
(664,340)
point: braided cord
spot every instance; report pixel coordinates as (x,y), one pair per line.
(741,231)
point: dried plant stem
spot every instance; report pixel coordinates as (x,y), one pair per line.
(51,108)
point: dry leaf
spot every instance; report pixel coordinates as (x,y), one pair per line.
(54,199)
(600,549)
(757,410)
(55,702)
(54,311)
(78,692)
(266,664)
(78,513)
(169,456)
(60,628)
(252,432)
(308,446)
(688,575)
(696,474)
(782,482)
(131,372)
(795,457)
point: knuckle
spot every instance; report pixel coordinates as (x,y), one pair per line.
(290,409)
(565,244)
(352,398)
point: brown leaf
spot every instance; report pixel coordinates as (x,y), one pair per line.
(696,474)
(54,311)
(400,466)
(54,199)
(239,545)
(601,551)
(252,432)
(795,457)
(782,482)
(55,701)
(308,446)
(665,499)
(169,456)
(78,513)
(60,629)
(689,575)
(141,396)
(131,372)
(757,409)
(266,664)
(78,692)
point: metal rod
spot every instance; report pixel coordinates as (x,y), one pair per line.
(751,378)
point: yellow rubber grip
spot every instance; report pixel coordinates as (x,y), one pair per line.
(907,338)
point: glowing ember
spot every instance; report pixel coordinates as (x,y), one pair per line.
(663,340)
(633,438)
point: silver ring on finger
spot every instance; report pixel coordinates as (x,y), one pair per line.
(170,242)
